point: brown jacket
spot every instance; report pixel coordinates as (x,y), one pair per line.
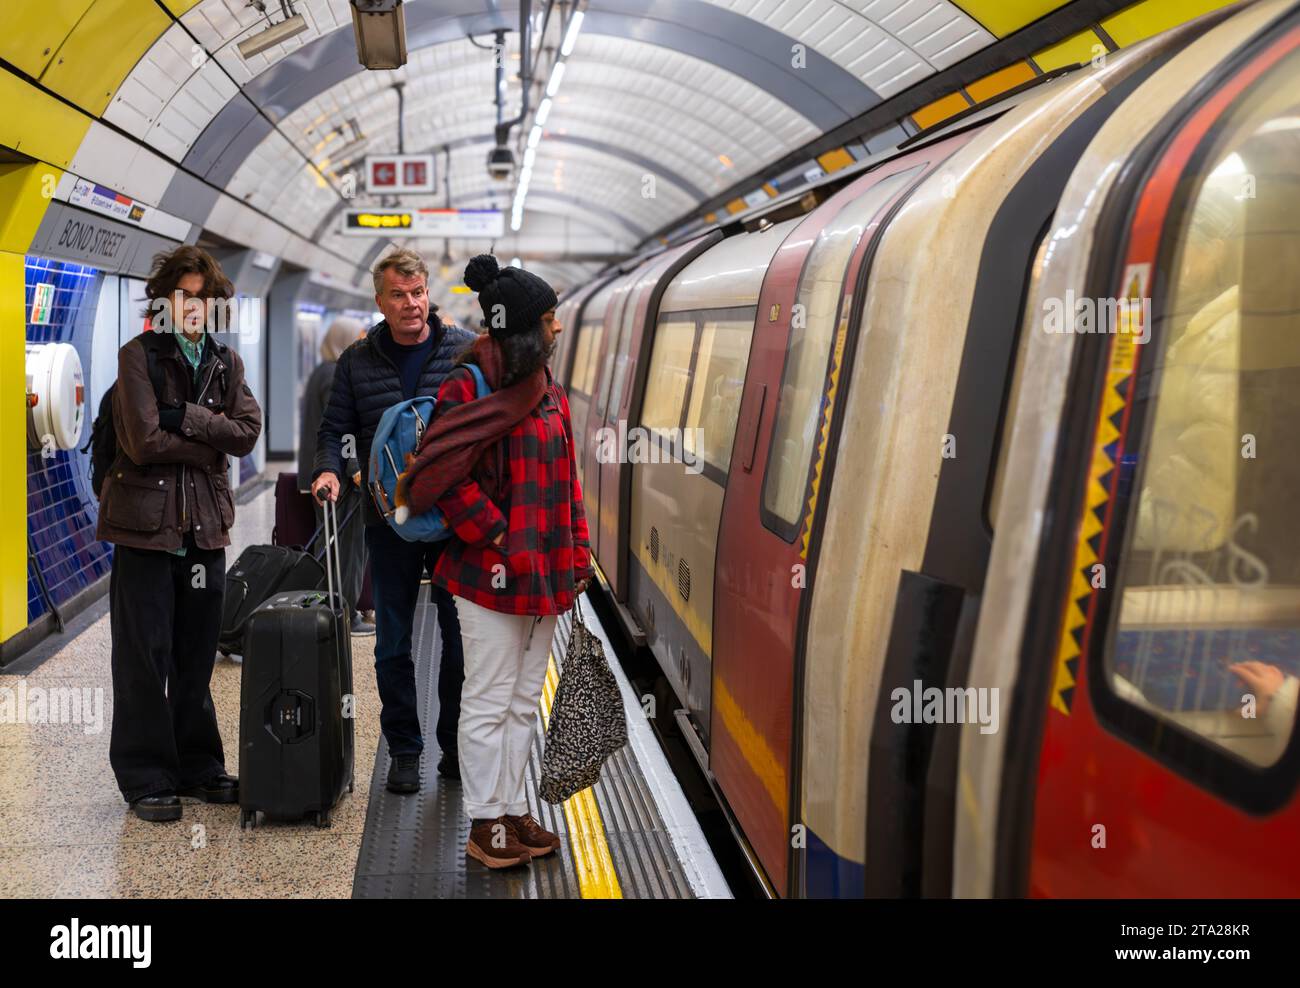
(163,484)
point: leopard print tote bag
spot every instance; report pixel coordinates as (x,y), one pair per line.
(587,722)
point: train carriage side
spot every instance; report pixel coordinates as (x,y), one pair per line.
(800,351)
(627,346)
(686,423)
(570,314)
(898,554)
(586,344)
(1148,745)
(602,357)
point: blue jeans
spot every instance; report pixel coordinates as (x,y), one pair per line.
(396,567)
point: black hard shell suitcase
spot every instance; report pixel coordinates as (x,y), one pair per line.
(296,743)
(260,572)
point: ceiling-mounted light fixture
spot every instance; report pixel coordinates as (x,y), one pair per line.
(380,27)
(543,112)
(292,25)
(557,74)
(571,35)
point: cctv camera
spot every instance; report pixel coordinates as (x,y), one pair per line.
(501,163)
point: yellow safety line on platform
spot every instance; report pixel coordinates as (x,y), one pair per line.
(597,878)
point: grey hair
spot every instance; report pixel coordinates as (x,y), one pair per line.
(405,262)
(342,333)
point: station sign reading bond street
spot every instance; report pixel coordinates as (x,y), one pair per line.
(486,223)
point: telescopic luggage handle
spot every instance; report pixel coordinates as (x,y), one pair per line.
(347,520)
(333,560)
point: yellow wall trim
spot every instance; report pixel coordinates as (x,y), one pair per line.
(101,51)
(37,124)
(13,448)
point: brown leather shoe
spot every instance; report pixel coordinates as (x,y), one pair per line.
(495,843)
(538,841)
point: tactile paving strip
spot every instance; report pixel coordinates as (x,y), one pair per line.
(414,846)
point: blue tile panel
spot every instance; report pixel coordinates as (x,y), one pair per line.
(61,508)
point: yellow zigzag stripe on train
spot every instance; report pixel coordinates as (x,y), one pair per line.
(825,433)
(1097,495)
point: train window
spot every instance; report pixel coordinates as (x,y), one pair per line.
(1208,632)
(817,313)
(580,357)
(670,372)
(622,360)
(613,360)
(716,387)
(584,372)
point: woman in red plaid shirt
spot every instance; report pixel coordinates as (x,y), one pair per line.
(502,468)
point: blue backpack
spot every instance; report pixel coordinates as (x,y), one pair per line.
(398,436)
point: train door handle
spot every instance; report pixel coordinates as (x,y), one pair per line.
(749,434)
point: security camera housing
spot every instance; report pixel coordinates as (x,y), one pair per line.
(501,163)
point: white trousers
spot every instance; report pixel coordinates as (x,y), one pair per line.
(505,668)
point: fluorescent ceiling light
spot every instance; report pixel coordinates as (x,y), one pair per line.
(272,36)
(557,74)
(534,136)
(571,35)
(543,112)
(529,157)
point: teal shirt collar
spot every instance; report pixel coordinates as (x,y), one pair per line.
(193,351)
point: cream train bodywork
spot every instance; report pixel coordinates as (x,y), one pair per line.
(686,507)
(1036,421)
(904,375)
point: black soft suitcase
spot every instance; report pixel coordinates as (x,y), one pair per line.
(260,572)
(296,746)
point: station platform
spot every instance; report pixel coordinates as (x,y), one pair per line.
(65,831)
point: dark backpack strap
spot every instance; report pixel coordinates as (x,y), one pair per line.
(152,342)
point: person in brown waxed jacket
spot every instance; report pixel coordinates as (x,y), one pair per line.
(180,407)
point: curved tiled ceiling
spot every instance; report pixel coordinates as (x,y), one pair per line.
(693,93)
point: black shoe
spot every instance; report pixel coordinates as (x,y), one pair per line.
(449,765)
(223,789)
(404,774)
(158,808)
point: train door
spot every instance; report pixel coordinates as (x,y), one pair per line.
(772,488)
(602,359)
(1168,759)
(686,427)
(630,350)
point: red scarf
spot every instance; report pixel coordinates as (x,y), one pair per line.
(455,442)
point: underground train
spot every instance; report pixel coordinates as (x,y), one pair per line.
(952,498)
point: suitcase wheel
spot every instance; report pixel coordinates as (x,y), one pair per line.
(322,818)
(352,784)
(247,818)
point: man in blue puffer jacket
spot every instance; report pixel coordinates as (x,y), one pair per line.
(404,356)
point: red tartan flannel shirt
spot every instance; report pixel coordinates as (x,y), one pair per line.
(547,548)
